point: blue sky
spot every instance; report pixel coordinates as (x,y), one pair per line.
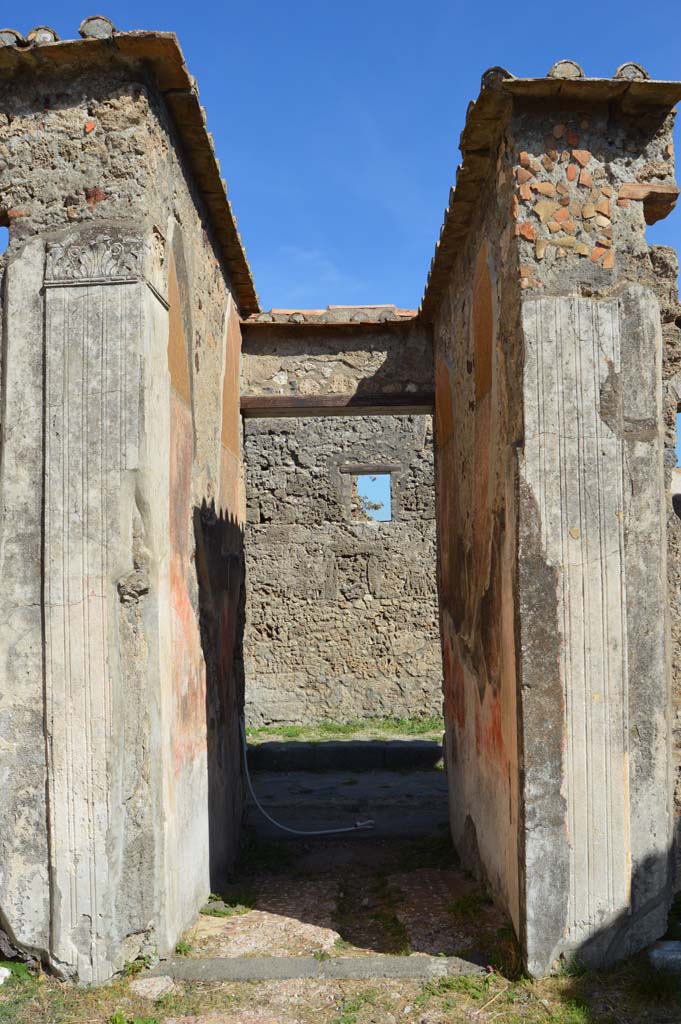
(337,124)
(376,489)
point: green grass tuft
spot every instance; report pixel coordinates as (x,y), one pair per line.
(120,1018)
(475,986)
(136,966)
(352,1006)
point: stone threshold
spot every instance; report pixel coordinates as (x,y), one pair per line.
(294,968)
(344,755)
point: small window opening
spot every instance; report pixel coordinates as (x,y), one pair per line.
(372,499)
(4,239)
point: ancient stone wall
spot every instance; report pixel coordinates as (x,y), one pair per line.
(477,358)
(121,557)
(593,509)
(551,506)
(341,612)
(666,270)
(311,357)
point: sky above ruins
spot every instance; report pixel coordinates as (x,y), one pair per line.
(337,124)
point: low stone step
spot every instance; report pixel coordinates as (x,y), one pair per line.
(344,755)
(288,968)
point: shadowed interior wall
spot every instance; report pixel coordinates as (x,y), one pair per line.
(475,485)
(341,613)
(665,265)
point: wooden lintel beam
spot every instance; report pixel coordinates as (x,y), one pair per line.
(337,405)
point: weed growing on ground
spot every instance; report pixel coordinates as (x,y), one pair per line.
(120,1018)
(506,957)
(471,903)
(19,971)
(352,1006)
(136,966)
(183,948)
(229,905)
(321,954)
(475,986)
(386,916)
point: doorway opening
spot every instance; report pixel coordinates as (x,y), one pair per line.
(343,699)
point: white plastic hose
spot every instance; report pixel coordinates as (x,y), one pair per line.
(359,826)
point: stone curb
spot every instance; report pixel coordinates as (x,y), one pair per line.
(291,968)
(344,755)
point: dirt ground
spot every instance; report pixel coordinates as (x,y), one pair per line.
(350,898)
(631,995)
(353,898)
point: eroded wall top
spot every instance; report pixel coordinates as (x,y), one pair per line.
(103,50)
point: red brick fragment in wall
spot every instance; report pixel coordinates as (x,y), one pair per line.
(526,230)
(90,126)
(545,188)
(582,156)
(95,195)
(571,172)
(16,212)
(658,198)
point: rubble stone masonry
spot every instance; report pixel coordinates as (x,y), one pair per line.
(121,542)
(341,613)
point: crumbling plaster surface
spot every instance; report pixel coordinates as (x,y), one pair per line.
(666,270)
(341,614)
(305,360)
(555,494)
(477,360)
(591,525)
(97,160)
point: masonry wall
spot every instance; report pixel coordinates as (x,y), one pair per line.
(341,613)
(302,360)
(552,533)
(126,730)
(665,266)
(478,354)
(592,529)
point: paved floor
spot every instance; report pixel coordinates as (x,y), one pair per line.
(393,898)
(401,803)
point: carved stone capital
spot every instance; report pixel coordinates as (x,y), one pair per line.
(101,258)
